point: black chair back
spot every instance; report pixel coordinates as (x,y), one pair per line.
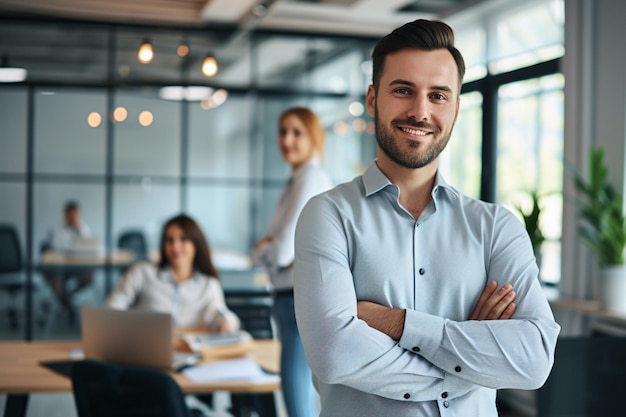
(134,241)
(10,252)
(104,389)
(254,310)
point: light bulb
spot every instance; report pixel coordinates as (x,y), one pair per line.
(145,53)
(94,119)
(145,118)
(209,66)
(120,114)
(182,50)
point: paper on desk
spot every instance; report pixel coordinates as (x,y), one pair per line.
(245,369)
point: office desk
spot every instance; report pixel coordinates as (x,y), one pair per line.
(52,260)
(21,374)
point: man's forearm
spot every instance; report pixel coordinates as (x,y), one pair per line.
(384,319)
(493,304)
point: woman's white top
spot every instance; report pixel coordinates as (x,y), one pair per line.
(194,302)
(278,254)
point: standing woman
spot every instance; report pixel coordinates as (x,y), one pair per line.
(301,143)
(184,284)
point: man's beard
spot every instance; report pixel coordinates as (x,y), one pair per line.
(412,158)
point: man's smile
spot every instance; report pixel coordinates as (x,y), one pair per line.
(416,132)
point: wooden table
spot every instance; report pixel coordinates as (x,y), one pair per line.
(21,374)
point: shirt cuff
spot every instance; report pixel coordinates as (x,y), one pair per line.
(422,333)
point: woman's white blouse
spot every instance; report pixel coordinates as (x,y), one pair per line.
(195,302)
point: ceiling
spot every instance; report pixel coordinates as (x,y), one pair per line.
(352,17)
(67,41)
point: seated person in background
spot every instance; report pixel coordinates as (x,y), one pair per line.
(62,239)
(185,283)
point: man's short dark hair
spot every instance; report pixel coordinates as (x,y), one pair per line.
(71,205)
(427,35)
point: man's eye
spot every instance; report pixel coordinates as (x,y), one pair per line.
(438,96)
(402,91)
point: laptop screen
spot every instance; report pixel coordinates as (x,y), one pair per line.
(128,337)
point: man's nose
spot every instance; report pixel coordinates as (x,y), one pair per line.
(420,108)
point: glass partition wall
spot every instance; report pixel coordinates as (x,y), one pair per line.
(134,144)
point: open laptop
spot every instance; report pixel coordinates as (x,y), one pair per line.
(85,246)
(132,337)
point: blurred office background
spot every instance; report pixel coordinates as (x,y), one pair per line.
(136,143)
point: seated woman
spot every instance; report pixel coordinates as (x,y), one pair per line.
(185,283)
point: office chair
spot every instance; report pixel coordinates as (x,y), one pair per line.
(103,389)
(254,310)
(134,241)
(11,262)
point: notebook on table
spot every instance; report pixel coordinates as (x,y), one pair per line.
(132,337)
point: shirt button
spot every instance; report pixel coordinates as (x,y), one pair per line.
(407,396)
(415,349)
(446,404)
(458,369)
(421,271)
(444,395)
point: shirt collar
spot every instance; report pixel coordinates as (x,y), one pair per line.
(374,180)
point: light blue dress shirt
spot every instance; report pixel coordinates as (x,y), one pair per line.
(356,242)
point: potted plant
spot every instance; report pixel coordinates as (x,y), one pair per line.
(531,222)
(603,228)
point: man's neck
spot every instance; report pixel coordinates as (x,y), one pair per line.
(415,185)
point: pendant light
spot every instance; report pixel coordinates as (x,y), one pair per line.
(209,65)
(183,49)
(145,53)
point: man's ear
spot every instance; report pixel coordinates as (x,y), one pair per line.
(370,100)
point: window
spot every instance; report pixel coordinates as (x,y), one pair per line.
(530,155)
(508,141)
(516,43)
(461,161)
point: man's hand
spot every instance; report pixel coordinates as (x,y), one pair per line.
(384,319)
(495,304)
